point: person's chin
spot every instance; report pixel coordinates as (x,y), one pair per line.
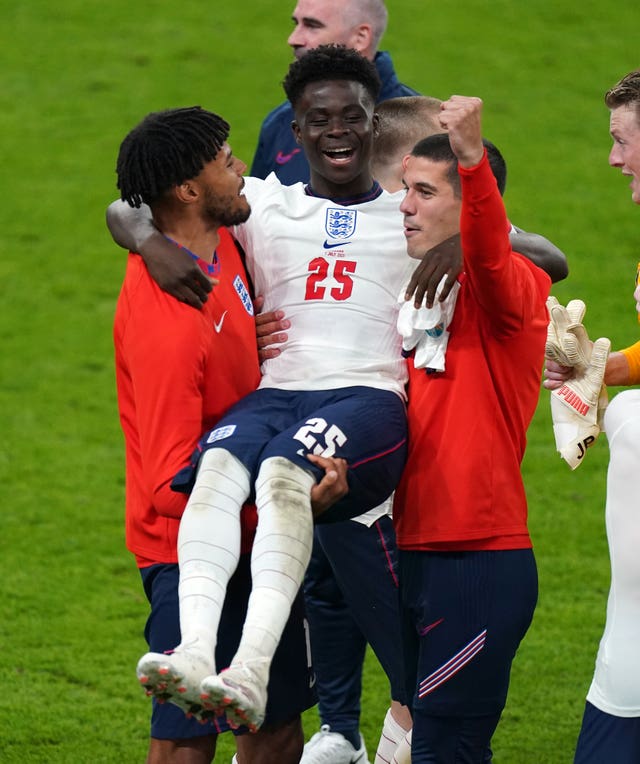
(415,249)
(416,253)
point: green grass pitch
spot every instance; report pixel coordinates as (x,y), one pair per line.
(76,76)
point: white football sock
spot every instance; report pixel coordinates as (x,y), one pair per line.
(402,754)
(209,546)
(280,555)
(392,735)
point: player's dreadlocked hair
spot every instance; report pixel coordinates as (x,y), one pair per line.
(330,62)
(165,149)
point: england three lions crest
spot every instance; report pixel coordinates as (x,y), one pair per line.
(340,223)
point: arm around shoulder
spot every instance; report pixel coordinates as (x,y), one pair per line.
(173,269)
(541,252)
(129,227)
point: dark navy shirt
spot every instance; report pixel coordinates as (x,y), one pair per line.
(277,149)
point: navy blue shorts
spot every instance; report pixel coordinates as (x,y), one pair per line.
(464,615)
(291,681)
(607,739)
(352,583)
(363,425)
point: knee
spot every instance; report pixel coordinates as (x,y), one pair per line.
(220,460)
(622,418)
(283,482)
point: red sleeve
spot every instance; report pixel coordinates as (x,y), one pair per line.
(507,285)
(161,350)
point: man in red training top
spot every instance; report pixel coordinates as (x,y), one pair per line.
(468,575)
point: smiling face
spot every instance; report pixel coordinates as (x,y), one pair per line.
(335,124)
(221,181)
(625,153)
(431,206)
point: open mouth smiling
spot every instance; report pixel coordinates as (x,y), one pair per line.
(339,155)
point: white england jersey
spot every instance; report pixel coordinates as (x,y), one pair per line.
(336,273)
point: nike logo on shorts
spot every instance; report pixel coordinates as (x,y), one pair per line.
(217,325)
(284,158)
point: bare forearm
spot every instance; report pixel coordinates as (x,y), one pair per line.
(172,268)
(617,370)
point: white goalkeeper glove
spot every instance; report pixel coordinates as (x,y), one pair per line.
(567,341)
(578,405)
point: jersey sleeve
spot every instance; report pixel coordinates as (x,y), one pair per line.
(508,287)
(632,354)
(275,135)
(161,351)
(261,165)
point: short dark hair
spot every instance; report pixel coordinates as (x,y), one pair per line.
(438,148)
(403,121)
(331,62)
(626,92)
(165,149)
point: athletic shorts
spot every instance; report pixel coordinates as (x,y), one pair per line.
(352,584)
(464,615)
(363,425)
(607,739)
(291,680)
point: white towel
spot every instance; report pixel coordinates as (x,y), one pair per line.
(426,329)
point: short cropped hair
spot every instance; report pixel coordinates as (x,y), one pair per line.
(403,122)
(626,92)
(373,12)
(165,149)
(331,62)
(438,149)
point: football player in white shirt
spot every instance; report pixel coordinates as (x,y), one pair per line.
(610,728)
(332,256)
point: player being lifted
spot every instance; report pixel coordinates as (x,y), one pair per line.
(332,256)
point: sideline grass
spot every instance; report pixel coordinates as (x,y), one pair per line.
(76,77)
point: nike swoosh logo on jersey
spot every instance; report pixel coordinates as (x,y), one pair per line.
(217,325)
(327,245)
(284,158)
(428,628)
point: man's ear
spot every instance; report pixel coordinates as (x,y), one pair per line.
(296,131)
(376,124)
(362,39)
(187,192)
